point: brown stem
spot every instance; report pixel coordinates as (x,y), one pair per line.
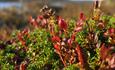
(62,60)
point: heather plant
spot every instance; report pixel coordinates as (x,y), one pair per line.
(57,44)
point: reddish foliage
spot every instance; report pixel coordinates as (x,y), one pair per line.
(56,39)
(106,34)
(82,17)
(62,24)
(33,21)
(40,17)
(101,25)
(22,67)
(51,29)
(73,37)
(111,30)
(25,32)
(57,47)
(78,29)
(70,42)
(21,37)
(104,51)
(111,61)
(80,22)
(81,56)
(44,22)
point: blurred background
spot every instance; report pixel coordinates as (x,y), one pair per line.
(14,13)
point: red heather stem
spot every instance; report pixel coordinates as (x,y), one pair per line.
(62,60)
(44,22)
(33,22)
(56,46)
(111,31)
(82,17)
(73,37)
(62,24)
(22,67)
(51,29)
(56,39)
(103,51)
(81,57)
(70,42)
